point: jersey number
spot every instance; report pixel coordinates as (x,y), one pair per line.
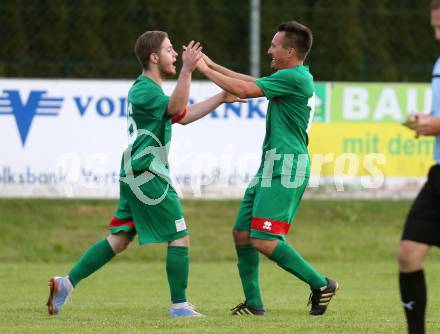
(131,126)
(311,103)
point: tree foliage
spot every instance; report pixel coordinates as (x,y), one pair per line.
(357,40)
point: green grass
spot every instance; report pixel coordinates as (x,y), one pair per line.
(352,241)
(59,230)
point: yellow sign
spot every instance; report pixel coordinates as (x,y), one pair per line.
(364,149)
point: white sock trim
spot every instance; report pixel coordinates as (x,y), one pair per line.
(179,305)
(69,284)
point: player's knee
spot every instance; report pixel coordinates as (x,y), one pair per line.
(261,245)
(264,246)
(118,242)
(241,237)
(120,246)
(124,245)
(407,257)
(182,242)
(257,243)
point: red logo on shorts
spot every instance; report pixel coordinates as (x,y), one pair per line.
(270,225)
(267,225)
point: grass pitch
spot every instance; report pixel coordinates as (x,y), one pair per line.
(351,241)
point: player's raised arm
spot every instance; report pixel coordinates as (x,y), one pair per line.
(241,88)
(226,71)
(192,53)
(201,109)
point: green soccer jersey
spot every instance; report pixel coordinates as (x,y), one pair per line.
(149,130)
(291,97)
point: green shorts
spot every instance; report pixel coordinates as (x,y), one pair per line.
(159,222)
(267,210)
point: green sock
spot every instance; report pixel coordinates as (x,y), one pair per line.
(177,272)
(93,259)
(248,267)
(290,260)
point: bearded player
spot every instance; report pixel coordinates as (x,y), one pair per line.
(148,204)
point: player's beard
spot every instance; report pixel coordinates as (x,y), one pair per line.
(167,71)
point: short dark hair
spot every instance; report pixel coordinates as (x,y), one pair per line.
(297,36)
(435,4)
(146,44)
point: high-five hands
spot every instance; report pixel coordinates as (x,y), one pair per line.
(207,60)
(202,66)
(192,54)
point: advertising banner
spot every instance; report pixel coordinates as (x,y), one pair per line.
(65,138)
